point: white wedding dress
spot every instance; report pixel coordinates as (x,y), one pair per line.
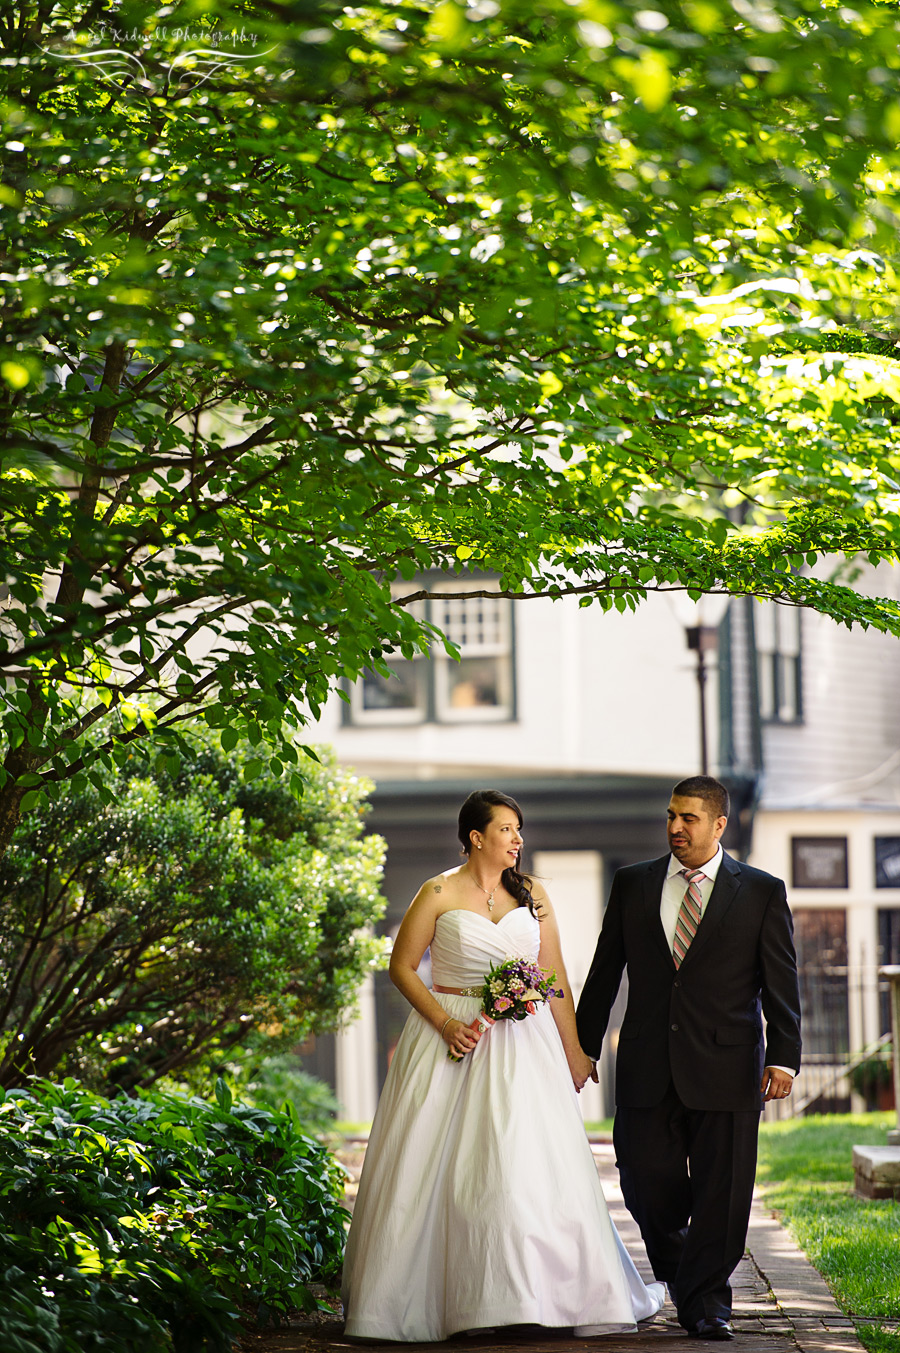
(479,1203)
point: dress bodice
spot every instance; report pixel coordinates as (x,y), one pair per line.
(465,944)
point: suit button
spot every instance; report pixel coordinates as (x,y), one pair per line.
(674,1028)
(676,984)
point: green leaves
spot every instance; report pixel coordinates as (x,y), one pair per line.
(229,739)
(594,296)
(145,1220)
(182,910)
(224,1097)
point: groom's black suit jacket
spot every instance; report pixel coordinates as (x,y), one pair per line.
(700,1026)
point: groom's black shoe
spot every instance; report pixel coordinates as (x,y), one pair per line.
(714,1328)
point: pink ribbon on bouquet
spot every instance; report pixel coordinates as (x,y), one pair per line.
(480,1025)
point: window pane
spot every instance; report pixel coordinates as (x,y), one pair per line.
(401,691)
(764,626)
(777,637)
(819,862)
(473,690)
(474,623)
(820,935)
(888,953)
(787,688)
(474,683)
(887,865)
(766,666)
(787,623)
(399,698)
(479,687)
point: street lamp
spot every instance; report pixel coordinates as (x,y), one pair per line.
(701,620)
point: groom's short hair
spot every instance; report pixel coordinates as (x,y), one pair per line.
(704,787)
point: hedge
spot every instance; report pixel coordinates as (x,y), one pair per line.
(156,1222)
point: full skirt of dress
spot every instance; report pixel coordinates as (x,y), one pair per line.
(479,1203)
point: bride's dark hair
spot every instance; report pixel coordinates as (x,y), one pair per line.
(474,816)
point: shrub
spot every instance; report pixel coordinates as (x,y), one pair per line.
(150,1222)
(201,910)
(277,1081)
(873,1077)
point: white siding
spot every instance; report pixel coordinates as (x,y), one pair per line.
(847,748)
(595,694)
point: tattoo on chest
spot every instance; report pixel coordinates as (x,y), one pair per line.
(437,887)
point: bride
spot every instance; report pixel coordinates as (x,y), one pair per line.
(479,1203)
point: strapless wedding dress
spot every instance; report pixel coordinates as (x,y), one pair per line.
(479,1202)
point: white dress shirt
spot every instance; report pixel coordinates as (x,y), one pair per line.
(674,888)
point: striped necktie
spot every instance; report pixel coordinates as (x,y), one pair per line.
(688,915)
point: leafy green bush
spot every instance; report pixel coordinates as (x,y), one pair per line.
(147,1223)
(202,910)
(277,1081)
(874,1075)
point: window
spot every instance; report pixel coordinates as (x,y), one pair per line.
(777,630)
(888,954)
(820,935)
(479,686)
(433,687)
(887,861)
(819,862)
(400,698)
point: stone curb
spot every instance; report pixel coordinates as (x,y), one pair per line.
(800,1294)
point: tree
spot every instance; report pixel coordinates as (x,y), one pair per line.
(190,915)
(593,297)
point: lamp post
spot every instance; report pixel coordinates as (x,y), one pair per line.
(702,639)
(701,620)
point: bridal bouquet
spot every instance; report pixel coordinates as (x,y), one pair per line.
(511,990)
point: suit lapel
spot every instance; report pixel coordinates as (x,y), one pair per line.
(724,891)
(650,904)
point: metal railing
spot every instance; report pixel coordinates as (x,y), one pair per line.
(823,1082)
(846,1067)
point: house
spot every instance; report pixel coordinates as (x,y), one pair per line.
(588,719)
(828,822)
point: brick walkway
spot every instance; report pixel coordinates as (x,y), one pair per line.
(781,1304)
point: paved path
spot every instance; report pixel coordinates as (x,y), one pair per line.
(781,1304)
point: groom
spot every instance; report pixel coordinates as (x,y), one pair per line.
(707,943)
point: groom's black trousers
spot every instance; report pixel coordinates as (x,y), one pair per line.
(687,1179)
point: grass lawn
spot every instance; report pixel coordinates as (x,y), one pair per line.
(806,1172)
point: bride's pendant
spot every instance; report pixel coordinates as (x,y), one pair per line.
(488,895)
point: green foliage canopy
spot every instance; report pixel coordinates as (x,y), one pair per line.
(195,913)
(594,297)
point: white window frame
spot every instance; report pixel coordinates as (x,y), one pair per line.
(394,715)
(437,668)
(496,645)
(778,635)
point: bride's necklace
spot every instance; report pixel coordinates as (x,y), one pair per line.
(488,895)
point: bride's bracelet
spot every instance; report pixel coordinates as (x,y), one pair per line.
(445,1023)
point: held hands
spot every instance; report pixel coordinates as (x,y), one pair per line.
(776,1084)
(459,1038)
(583,1069)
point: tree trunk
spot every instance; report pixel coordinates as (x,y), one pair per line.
(10,798)
(17,762)
(70,593)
